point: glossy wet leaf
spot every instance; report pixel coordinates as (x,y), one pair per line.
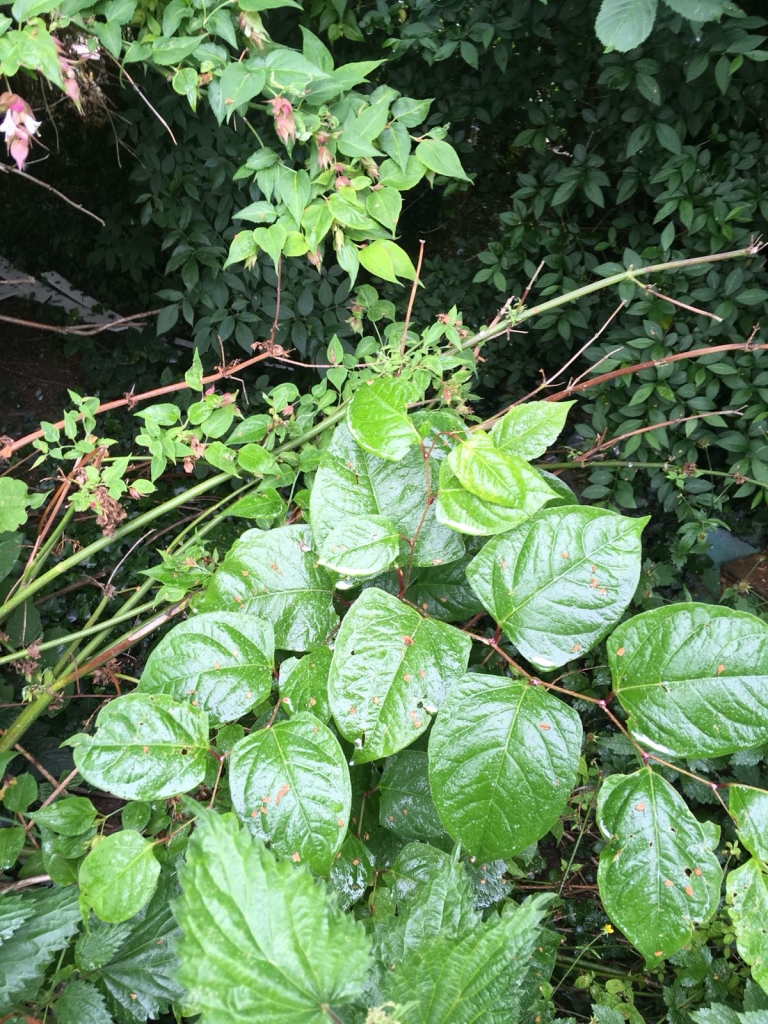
(747,891)
(749,809)
(465,512)
(68,817)
(239,959)
(391,669)
(503,757)
(497,476)
(378,419)
(304,683)
(10,547)
(658,876)
(276,576)
(443,592)
(559,582)
(693,679)
(118,877)
(352,871)
(290,785)
(405,800)
(360,546)
(219,661)
(527,430)
(146,747)
(351,482)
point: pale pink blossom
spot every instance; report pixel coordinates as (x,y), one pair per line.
(285,126)
(18,126)
(324,155)
(341,181)
(68,75)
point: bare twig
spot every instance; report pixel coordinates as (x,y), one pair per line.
(50,188)
(159,116)
(26,883)
(81,330)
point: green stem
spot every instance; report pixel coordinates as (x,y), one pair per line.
(46,549)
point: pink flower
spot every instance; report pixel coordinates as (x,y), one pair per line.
(285,126)
(315,258)
(66,66)
(18,126)
(324,155)
(341,181)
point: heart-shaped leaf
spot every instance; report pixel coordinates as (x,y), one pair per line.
(503,757)
(378,419)
(559,582)
(693,679)
(657,876)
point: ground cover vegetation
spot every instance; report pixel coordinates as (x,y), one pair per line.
(325,696)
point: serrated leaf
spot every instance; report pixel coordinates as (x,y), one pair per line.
(658,876)
(239,960)
(81,1003)
(747,890)
(528,430)
(559,582)
(220,662)
(351,482)
(466,513)
(440,157)
(405,803)
(360,546)
(624,24)
(749,808)
(390,667)
(146,747)
(377,418)
(118,877)
(304,683)
(290,785)
(693,679)
(503,757)
(443,592)
(497,476)
(275,576)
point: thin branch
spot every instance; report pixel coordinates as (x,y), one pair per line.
(55,191)
(26,883)
(412,296)
(604,445)
(682,305)
(81,330)
(159,116)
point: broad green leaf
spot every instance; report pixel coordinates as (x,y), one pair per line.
(698,10)
(12,842)
(385,205)
(26,953)
(351,482)
(15,499)
(360,546)
(220,662)
(624,24)
(747,891)
(352,871)
(118,876)
(10,548)
(265,5)
(391,175)
(441,158)
(465,512)
(528,430)
(262,506)
(658,876)
(82,1003)
(261,941)
(377,418)
(405,804)
(749,808)
(497,476)
(693,679)
(290,785)
(503,757)
(275,575)
(242,247)
(69,817)
(559,582)
(396,143)
(391,670)
(409,111)
(260,212)
(719,1013)
(24,9)
(239,84)
(295,190)
(304,683)
(443,592)
(174,49)
(146,747)
(386,259)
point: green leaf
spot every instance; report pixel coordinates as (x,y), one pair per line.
(69,817)
(146,747)
(242,247)
(406,804)
(409,111)
(693,678)
(624,24)
(465,512)
(295,190)
(396,143)
(304,683)
(352,871)
(747,891)
(173,49)
(239,84)
(24,9)
(262,506)
(443,592)
(290,785)
(275,575)
(220,662)
(497,476)
(52,918)
(391,669)
(749,809)
(10,548)
(81,1003)
(658,876)
(15,499)
(378,419)
(668,138)
(441,158)
(261,941)
(385,205)
(503,757)
(698,10)
(118,877)
(12,842)
(257,213)
(351,482)
(528,430)
(360,546)
(559,582)
(385,259)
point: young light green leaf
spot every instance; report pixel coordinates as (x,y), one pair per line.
(387,260)
(378,419)
(239,83)
(146,747)
(747,891)
(220,662)
(559,582)
(118,877)
(465,512)
(405,803)
(290,785)
(528,430)
(275,575)
(693,679)
(262,506)
(391,669)
(304,683)
(441,158)
(239,959)
(503,757)
(351,482)
(658,876)
(360,546)
(497,476)
(749,808)
(15,499)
